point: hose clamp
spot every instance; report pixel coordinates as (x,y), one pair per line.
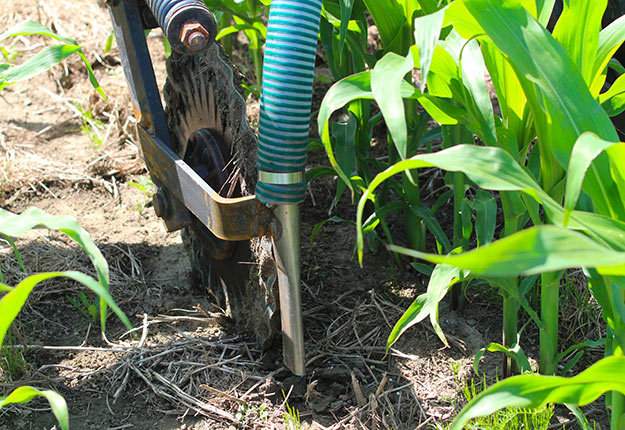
(275,178)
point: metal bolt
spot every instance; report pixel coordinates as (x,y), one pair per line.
(161,204)
(194,36)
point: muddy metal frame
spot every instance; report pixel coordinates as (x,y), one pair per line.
(181,190)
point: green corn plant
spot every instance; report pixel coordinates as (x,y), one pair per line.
(557,120)
(348,143)
(590,240)
(15,297)
(45,59)
(343,33)
(520,115)
(248,16)
(525,84)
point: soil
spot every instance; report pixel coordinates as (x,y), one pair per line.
(187,365)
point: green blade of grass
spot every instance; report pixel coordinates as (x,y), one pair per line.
(533,391)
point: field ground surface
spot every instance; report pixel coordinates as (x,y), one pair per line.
(189,366)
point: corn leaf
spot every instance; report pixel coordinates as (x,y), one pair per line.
(586,149)
(12,302)
(495,169)
(392,23)
(578,30)
(319,226)
(261,29)
(353,87)
(613,100)
(472,69)
(457,71)
(26,394)
(512,100)
(443,70)
(433,226)
(544,8)
(443,277)
(382,212)
(345,148)
(610,39)
(485,207)
(346,13)
(15,225)
(430,6)
(29,28)
(386,81)
(427,32)
(359,86)
(514,352)
(535,250)
(534,391)
(562,108)
(44,60)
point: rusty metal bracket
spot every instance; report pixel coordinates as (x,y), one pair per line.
(238,218)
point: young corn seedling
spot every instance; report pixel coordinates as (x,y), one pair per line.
(15,297)
(45,59)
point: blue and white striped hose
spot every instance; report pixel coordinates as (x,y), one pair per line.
(286,96)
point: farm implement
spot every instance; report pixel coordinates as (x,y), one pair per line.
(234,197)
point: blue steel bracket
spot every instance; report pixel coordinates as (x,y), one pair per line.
(135,56)
(129,25)
(186,194)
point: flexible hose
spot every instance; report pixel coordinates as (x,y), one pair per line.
(286,96)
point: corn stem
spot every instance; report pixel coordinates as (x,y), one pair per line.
(414,226)
(549,308)
(510,331)
(459,241)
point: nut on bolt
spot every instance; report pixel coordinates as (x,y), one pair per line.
(160,202)
(194,36)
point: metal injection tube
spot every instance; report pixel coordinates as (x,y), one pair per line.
(286,96)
